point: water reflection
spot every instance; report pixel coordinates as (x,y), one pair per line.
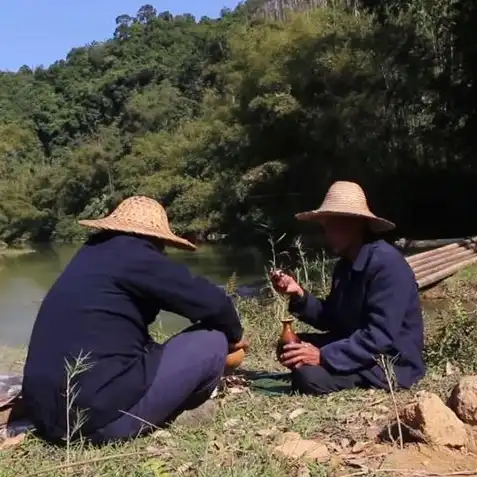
(25,279)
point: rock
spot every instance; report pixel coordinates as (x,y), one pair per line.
(463,400)
(11,442)
(294,447)
(5,415)
(432,419)
(199,416)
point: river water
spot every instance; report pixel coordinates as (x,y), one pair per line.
(25,279)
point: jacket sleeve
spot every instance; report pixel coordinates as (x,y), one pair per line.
(313,311)
(390,283)
(310,310)
(152,274)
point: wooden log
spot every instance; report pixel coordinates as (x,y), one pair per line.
(445,272)
(409,244)
(442,255)
(459,254)
(441,258)
(414,259)
(430,254)
(442,266)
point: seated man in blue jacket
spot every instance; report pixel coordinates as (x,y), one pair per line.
(98,313)
(371,313)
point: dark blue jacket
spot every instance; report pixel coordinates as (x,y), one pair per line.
(101,306)
(373,309)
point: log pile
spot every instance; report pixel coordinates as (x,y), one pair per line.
(435,265)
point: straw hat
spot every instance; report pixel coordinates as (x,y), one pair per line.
(143,216)
(349,200)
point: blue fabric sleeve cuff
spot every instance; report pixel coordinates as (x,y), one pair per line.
(297,304)
(307,309)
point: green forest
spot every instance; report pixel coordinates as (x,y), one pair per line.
(237,123)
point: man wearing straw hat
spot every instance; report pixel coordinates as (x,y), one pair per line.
(372,313)
(96,317)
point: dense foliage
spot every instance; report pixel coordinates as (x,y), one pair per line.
(242,121)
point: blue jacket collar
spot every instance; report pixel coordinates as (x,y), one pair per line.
(364,254)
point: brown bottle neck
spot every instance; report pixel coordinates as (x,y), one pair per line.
(287,327)
(288,335)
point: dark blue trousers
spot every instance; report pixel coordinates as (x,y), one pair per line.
(320,380)
(191,366)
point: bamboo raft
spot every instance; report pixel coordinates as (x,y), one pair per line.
(435,265)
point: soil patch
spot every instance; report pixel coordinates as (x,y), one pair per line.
(420,459)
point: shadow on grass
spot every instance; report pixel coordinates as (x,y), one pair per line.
(274,383)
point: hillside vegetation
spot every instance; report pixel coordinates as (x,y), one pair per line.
(240,122)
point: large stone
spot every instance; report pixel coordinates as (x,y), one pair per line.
(434,421)
(194,418)
(296,448)
(5,413)
(463,400)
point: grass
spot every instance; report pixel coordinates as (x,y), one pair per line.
(240,441)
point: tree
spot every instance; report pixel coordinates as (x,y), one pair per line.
(244,120)
(123,24)
(146,13)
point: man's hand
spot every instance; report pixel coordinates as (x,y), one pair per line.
(285,284)
(298,354)
(242,344)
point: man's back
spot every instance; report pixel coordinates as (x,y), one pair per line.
(88,315)
(100,308)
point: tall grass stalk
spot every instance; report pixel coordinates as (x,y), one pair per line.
(310,274)
(303,262)
(387,365)
(325,275)
(280,303)
(74,368)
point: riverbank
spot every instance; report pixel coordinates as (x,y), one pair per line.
(249,424)
(15,252)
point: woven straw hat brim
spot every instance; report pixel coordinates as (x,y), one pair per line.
(118,225)
(376,224)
